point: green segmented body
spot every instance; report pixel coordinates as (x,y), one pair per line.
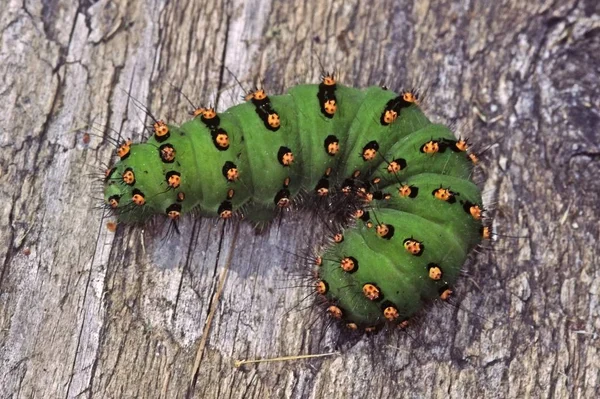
(407,246)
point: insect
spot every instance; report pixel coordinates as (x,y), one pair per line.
(405,181)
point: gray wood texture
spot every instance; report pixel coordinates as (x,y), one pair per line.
(85,312)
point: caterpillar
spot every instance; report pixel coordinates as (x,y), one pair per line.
(417,212)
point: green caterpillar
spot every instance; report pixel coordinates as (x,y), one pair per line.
(419,213)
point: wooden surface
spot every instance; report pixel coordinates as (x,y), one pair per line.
(88,313)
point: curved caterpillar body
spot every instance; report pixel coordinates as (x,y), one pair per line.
(421,213)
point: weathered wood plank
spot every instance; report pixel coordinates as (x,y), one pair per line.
(85,312)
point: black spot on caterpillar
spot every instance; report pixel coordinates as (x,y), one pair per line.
(419,213)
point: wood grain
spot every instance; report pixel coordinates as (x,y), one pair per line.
(89,313)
